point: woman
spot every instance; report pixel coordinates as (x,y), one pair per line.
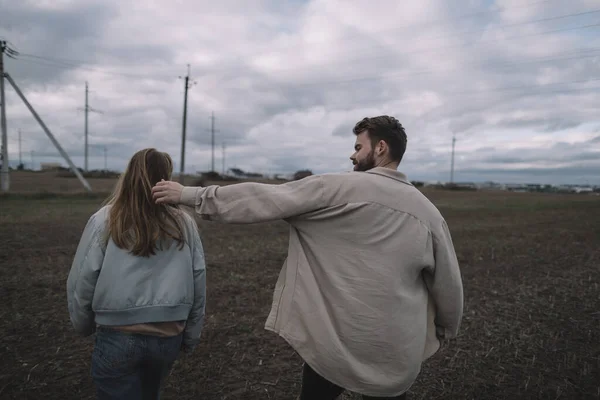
(138,281)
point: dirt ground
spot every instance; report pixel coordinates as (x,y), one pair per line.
(531,327)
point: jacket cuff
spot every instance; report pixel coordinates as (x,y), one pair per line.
(188,196)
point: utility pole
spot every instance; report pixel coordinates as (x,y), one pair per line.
(452,162)
(86,110)
(5,175)
(79,176)
(188,84)
(20,154)
(105,164)
(212,140)
(85,168)
(223,160)
(32,164)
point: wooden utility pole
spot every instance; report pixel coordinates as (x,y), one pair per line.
(50,135)
(188,84)
(452,162)
(223,160)
(20,154)
(4,172)
(85,165)
(86,110)
(212,141)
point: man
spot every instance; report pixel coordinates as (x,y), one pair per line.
(371,283)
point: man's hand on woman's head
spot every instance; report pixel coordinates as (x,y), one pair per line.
(168,192)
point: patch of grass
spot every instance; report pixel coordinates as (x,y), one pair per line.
(530,328)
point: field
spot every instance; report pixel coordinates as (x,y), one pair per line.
(531,327)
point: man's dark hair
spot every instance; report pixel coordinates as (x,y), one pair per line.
(385,128)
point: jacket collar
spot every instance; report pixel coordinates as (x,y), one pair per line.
(390,173)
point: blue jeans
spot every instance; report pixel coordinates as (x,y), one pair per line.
(131,366)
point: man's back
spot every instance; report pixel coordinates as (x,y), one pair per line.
(352,298)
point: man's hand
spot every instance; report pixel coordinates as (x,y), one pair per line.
(167,192)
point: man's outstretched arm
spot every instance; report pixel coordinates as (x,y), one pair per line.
(246,202)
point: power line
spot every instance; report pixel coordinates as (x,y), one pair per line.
(475,14)
(441,49)
(585,53)
(48,62)
(467,93)
(502,89)
(529,22)
(375,56)
(487,107)
(581,53)
(74,64)
(411,27)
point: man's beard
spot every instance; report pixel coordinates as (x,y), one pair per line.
(367,163)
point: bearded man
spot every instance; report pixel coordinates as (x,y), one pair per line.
(371,283)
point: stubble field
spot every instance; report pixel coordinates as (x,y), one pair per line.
(531,327)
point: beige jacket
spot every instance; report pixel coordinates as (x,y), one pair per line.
(370,267)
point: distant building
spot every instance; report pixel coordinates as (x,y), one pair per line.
(489,185)
(50,166)
(239,174)
(433,183)
(583,189)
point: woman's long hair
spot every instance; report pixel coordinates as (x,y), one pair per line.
(136,222)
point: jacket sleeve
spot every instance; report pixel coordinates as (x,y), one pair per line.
(82,278)
(444,283)
(249,202)
(195,322)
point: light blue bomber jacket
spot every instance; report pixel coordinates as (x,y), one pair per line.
(109,286)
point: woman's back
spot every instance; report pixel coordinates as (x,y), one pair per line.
(138,280)
(133,289)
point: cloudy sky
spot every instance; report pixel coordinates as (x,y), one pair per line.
(516,81)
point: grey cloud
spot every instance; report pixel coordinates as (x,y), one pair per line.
(486,149)
(559,152)
(586,156)
(79,21)
(466,122)
(560,125)
(139,53)
(544,157)
(505,160)
(361,72)
(550,172)
(544,124)
(344,130)
(69,37)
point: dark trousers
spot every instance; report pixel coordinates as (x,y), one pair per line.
(130,366)
(315,387)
